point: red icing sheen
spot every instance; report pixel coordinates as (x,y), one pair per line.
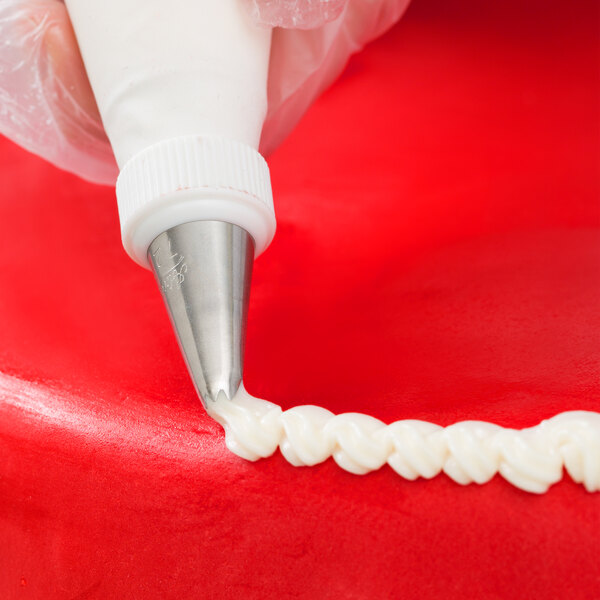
(437,258)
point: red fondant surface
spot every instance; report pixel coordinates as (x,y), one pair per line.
(437,258)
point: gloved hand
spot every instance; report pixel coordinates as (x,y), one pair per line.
(47,105)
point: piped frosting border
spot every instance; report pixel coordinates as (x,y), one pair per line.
(531,459)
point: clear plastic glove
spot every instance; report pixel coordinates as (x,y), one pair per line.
(47,105)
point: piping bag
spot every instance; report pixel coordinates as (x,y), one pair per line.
(182,92)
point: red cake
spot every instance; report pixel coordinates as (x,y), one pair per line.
(437,258)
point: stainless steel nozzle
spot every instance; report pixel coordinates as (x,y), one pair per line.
(204,270)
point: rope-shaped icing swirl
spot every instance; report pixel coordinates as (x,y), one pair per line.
(470,451)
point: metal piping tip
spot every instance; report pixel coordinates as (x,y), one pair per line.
(204,270)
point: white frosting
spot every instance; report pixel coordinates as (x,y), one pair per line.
(470,451)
